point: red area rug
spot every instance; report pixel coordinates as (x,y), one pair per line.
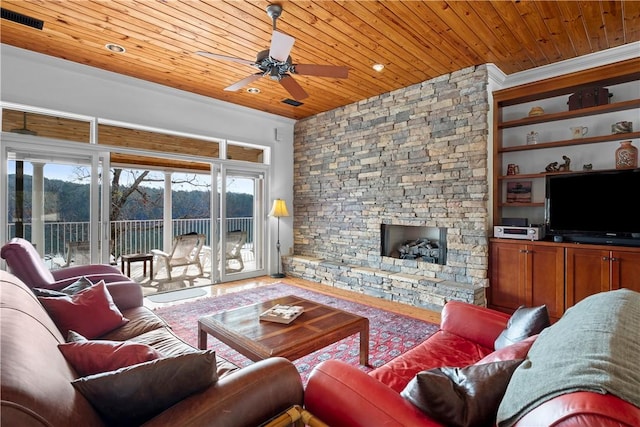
(390,334)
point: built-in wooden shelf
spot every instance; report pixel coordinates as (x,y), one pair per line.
(572,114)
(571,142)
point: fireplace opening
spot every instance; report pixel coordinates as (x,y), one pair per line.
(428,244)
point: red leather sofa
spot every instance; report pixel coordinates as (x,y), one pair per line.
(343,395)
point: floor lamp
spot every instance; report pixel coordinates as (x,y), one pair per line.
(279,209)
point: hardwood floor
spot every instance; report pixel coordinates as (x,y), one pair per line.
(240,285)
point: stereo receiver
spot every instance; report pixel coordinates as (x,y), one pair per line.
(523,233)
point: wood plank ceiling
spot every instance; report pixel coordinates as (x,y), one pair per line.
(415,40)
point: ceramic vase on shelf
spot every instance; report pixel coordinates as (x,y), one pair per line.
(626,156)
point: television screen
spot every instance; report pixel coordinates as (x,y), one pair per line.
(605,203)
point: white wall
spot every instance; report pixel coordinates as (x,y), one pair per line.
(42,81)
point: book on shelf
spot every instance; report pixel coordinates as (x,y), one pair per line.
(282,313)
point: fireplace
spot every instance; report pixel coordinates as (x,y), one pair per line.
(427,244)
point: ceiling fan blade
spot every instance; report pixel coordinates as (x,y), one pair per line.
(225,58)
(339,72)
(242,83)
(281,45)
(294,89)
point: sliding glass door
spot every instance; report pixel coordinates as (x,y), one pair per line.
(53,201)
(85,190)
(242,213)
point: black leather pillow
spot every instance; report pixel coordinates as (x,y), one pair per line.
(524,323)
(461,397)
(132,395)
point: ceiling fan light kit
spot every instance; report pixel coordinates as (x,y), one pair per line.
(276,63)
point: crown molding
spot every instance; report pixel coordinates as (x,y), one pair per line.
(592,60)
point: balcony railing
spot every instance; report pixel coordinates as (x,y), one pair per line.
(129,237)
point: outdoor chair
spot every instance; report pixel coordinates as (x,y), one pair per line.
(185,252)
(235,241)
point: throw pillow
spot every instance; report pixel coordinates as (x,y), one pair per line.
(77,286)
(461,397)
(523,323)
(42,292)
(72,289)
(130,396)
(92,357)
(73,336)
(518,350)
(90,312)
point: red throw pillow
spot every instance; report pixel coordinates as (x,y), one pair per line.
(518,350)
(91,312)
(93,357)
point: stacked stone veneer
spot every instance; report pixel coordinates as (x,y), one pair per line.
(414,156)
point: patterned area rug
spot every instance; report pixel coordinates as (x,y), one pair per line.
(390,334)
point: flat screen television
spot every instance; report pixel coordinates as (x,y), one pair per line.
(594,207)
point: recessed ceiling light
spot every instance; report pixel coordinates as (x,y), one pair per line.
(253,90)
(378,67)
(115,48)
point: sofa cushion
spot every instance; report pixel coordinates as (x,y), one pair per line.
(525,322)
(461,397)
(132,395)
(90,312)
(92,357)
(440,349)
(141,320)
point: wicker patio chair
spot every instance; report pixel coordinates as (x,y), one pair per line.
(185,252)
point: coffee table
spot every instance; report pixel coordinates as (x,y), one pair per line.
(319,326)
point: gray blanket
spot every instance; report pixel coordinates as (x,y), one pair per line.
(594,347)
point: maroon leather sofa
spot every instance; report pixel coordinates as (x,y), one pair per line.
(343,395)
(36,379)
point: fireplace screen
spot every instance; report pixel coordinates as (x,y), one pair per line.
(427,244)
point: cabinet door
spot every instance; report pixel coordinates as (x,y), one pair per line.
(625,270)
(506,286)
(587,273)
(545,278)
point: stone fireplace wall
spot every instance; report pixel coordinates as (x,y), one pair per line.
(414,156)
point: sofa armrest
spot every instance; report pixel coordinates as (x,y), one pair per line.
(246,398)
(343,395)
(583,409)
(126,295)
(76,271)
(478,324)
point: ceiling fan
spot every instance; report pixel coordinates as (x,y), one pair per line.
(276,63)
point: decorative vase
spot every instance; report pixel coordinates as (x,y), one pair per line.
(626,156)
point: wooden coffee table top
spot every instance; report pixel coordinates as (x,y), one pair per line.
(319,326)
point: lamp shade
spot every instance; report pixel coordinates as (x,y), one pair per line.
(279,208)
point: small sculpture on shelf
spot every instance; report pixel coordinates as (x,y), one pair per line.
(566,166)
(587,167)
(554,167)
